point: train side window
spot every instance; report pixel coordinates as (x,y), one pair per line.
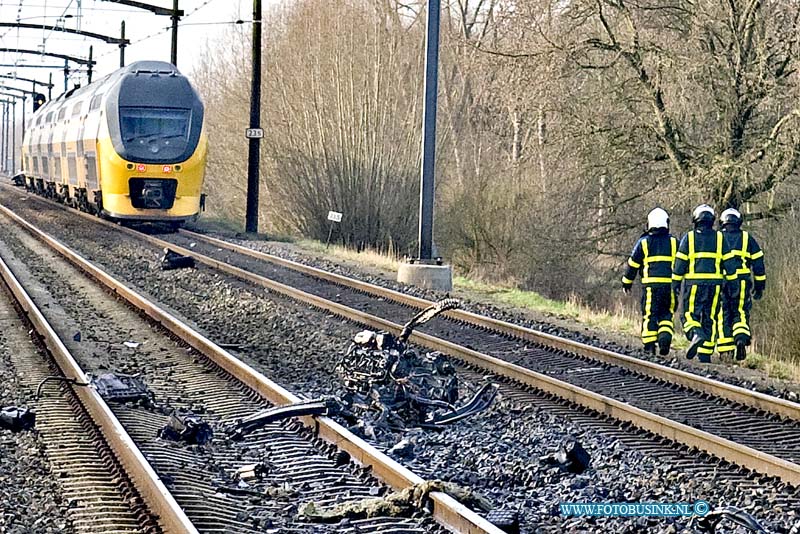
(95,102)
(62,113)
(35,165)
(72,168)
(76,110)
(46,167)
(49,118)
(91,171)
(38,120)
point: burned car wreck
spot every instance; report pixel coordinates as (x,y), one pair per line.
(391,385)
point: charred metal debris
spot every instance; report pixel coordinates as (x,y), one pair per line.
(187,427)
(240,428)
(389,385)
(570,457)
(119,387)
(16,418)
(392,386)
(709,522)
(172,260)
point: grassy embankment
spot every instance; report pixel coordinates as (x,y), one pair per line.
(619,322)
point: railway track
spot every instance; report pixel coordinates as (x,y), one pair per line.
(744,427)
(692,465)
(86,479)
(187,371)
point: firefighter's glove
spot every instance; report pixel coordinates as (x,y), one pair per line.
(757,294)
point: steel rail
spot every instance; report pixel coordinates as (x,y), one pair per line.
(156,496)
(446,510)
(715,445)
(744,396)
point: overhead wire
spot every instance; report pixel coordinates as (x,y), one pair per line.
(165,30)
(50,37)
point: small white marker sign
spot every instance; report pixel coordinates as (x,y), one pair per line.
(334,216)
(254,133)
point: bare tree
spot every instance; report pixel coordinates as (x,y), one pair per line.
(712,82)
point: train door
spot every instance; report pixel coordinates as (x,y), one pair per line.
(72,137)
(91,130)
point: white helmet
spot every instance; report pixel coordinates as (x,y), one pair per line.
(657,218)
(703,212)
(732,217)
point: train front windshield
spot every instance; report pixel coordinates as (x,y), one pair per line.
(154,133)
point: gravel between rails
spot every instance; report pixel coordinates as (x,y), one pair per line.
(301,468)
(298,346)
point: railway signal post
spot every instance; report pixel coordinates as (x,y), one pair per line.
(426,270)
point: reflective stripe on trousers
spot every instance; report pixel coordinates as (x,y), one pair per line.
(700,310)
(734,315)
(658,306)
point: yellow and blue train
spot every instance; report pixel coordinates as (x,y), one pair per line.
(130,146)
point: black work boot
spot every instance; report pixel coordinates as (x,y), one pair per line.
(726,356)
(650,348)
(691,351)
(664,341)
(741,349)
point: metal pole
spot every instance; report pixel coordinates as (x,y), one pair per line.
(13,137)
(254,154)
(8,138)
(5,137)
(175,18)
(426,189)
(24,101)
(50,88)
(90,64)
(3,144)
(122,46)
(66,75)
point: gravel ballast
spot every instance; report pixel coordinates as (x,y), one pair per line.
(727,373)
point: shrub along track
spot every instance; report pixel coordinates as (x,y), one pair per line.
(301,466)
(728,485)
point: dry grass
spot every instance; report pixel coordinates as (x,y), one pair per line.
(368,257)
(618,321)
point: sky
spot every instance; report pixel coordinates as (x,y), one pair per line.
(149,34)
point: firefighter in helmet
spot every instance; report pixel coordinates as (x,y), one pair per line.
(734,316)
(652,256)
(705,266)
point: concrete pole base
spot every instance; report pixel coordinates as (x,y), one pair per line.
(437,277)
